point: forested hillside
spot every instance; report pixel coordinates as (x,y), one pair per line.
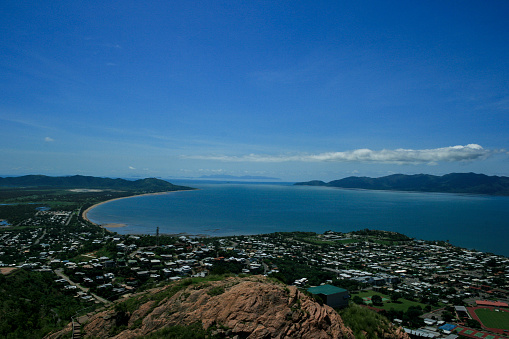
(450,183)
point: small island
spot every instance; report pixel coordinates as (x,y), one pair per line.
(465,183)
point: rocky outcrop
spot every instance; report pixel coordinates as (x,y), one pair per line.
(250,307)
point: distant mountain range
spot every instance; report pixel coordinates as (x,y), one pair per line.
(450,183)
(80,181)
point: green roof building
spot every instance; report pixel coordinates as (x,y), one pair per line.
(331,295)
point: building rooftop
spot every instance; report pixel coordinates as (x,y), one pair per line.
(326,290)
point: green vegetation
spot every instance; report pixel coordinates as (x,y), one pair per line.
(89,182)
(400,305)
(293,269)
(24,194)
(123,310)
(347,241)
(131,304)
(493,319)
(350,285)
(406,310)
(218,290)
(377,300)
(382,235)
(364,323)
(15,214)
(223,267)
(373,236)
(32,305)
(449,183)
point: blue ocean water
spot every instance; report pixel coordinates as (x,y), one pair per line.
(471,221)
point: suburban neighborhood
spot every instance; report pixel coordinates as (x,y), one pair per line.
(431,289)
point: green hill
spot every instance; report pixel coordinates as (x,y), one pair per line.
(471,183)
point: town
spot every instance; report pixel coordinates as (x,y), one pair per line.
(431,288)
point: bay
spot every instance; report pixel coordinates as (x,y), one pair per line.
(470,221)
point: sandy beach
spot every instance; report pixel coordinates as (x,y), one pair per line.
(114,225)
(85,212)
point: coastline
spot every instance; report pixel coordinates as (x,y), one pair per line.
(472,222)
(85,212)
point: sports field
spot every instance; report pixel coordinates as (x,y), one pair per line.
(493,319)
(401,305)
(471,333)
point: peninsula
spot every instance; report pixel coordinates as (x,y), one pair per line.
(70,193)
(470,183)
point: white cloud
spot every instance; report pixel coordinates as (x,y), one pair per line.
(131,168)
(398,156)
(48,139)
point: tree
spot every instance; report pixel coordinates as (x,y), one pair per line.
(473,323)
(377,300)
(395,296)
(412,317)
(358,300)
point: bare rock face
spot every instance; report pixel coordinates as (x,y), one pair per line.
(251,307)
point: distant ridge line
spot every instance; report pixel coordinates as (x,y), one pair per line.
(470,183)
(81,181)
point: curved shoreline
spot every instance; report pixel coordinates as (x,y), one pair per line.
(85,212)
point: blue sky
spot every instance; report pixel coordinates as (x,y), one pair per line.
(292,90)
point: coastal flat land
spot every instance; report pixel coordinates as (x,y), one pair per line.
(22,197)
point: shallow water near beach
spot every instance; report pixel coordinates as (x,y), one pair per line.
(471,221)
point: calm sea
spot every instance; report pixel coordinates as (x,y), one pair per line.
(477,222)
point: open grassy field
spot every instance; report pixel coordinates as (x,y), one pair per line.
(401,305)
(493,319)
(347,241)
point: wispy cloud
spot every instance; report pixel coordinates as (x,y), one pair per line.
(398,156)
(24,122)
(48,139)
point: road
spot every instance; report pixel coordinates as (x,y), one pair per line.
(39,239)
(265,268)
(61,274)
